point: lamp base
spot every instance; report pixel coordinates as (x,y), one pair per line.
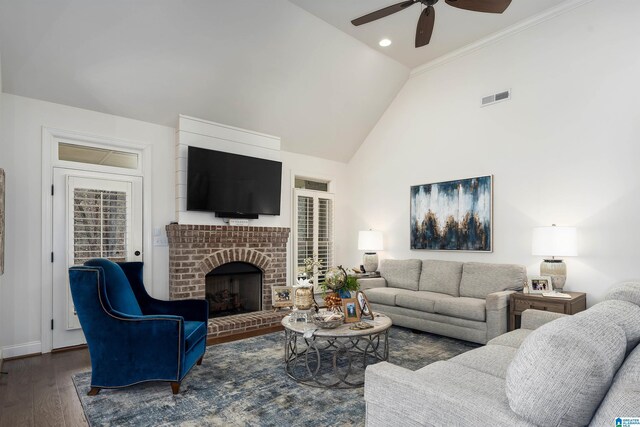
(370,262)
(557,269)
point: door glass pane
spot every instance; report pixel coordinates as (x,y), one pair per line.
(97,156)
(99,225)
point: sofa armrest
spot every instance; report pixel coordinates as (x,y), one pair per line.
(498,300)
(372,282)
(497,304)
(533,319)
(190,309)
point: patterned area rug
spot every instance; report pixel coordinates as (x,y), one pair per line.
(243,383)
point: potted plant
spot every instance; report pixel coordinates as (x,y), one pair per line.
(340,283)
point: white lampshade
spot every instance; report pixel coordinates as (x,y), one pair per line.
(554,241)
(370,240)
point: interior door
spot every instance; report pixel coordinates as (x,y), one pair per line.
(95,215)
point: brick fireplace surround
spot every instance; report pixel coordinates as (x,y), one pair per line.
(195,250)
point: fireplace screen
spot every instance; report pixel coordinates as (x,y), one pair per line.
(234,288)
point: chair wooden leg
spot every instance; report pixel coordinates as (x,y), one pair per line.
(199,362)
(175,387)
(94,391)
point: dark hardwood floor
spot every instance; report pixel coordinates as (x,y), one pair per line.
(38,390)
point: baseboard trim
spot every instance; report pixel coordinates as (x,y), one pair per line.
(21,350)
(35,347)
(71,348)
(243,335)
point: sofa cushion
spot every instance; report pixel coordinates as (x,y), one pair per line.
(513,339)
(623,398)
(441,276)
(481,279)
(562,371)
(465,308)
(625,291)
(402,274)
(440,394)
(420,300)
(622,313)
(386,296)
(490,359)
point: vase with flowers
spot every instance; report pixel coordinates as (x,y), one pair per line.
(304,299)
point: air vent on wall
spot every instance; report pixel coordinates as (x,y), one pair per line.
(496,97)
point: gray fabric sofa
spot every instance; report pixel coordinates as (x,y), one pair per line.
(556,370)
(468,301)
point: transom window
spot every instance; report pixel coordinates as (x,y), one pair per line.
(97,156)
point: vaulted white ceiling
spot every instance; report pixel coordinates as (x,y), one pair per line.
(454,28)
(264,65)
(294,69)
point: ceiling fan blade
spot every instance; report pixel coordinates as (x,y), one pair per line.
(425,26)
(489,6)
(382,12)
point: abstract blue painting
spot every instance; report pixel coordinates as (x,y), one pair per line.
(453,215)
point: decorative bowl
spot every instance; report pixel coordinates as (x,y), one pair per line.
(328,321)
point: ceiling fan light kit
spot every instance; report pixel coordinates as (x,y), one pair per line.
(428,15)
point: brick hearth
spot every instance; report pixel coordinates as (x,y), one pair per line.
(195,250)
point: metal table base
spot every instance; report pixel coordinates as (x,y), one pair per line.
(333,362)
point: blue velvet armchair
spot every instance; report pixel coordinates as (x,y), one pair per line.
(133,337)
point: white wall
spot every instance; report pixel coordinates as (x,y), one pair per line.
(564,150)
(20,155)
(1,166)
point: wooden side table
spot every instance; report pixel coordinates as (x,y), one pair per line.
(520,302)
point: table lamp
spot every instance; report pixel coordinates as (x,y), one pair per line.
(554,241)
(370,241)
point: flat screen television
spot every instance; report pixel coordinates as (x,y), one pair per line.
(231,185)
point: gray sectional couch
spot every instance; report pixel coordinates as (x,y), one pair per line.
(556,370)
(467,301)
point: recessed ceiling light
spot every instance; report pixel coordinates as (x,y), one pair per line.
(384,42)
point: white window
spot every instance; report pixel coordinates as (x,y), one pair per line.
(313,231)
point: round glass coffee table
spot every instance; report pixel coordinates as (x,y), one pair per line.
(334,358)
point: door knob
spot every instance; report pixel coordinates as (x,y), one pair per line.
(137,253)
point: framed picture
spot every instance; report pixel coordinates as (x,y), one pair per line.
(453,215)
(351,310)
(363,302)
(539,284)
(282,296)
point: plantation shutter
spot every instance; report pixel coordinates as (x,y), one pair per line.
(99,225)
(325,235)
(100,221)
(304,230)
(313,231)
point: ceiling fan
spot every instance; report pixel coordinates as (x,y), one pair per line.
(428,15)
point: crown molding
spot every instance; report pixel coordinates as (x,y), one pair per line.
(495,37)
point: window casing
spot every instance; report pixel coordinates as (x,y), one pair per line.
(313,232)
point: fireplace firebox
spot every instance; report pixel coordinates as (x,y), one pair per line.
(233,288)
